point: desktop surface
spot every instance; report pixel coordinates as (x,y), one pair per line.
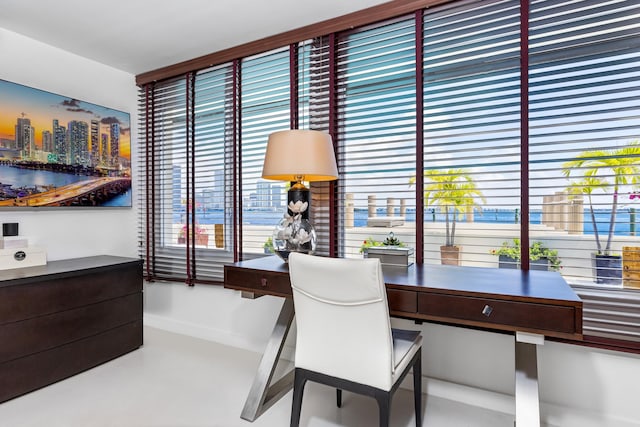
(512,300)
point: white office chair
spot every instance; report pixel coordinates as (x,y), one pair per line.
(344,336)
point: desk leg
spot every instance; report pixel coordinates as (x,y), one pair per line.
(527,397)
(262,395)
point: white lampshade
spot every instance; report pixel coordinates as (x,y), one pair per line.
(305,155)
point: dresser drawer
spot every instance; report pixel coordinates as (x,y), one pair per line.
(507,315)
(53,330)
(84,287)
(19,376)
(259,281)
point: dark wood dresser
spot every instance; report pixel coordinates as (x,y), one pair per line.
(65,317)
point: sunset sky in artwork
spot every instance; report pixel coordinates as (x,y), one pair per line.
(43,107)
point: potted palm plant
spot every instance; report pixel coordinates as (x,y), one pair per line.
(453,192)
(605,170)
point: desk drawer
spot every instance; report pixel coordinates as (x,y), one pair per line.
(511,315)
(257,280)
(404,301)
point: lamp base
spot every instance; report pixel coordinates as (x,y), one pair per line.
(294,234)
(297,196)
(284,255)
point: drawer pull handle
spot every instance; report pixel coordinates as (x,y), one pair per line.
(487,310)
(263,282)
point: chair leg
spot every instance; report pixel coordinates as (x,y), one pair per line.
(299,382)
(417,387)
(384,408)
(339,398)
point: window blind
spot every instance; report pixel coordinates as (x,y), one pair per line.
(375,92)
(213,169)
(584,93)
(313,96)
(264,108)
(471,131)
(162,143)
(487,106)
(184,224)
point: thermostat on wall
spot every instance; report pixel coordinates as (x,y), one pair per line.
(9,229)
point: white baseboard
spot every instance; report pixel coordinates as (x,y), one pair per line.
(199,331)
(561,416)
(473,396)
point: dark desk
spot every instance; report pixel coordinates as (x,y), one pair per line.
(531,305)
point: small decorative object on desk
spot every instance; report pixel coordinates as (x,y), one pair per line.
(294,233)
(391,251)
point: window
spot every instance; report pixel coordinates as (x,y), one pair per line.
(264,108)
(376,90)
(472,123)
(186,220)
(584,88)
(487,125)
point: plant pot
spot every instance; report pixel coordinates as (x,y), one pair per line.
(390,255)
(450,255)
(607,269)
(202,239)
(541,264)
(505,261)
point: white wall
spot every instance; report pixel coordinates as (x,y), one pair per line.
(579,386)
(73,232)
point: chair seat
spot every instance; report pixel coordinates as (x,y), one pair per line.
(405,344)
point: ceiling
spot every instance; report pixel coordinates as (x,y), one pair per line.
(142,35)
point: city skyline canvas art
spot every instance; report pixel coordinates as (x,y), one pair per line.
(58,151)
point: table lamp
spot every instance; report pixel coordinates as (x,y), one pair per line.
(296,156)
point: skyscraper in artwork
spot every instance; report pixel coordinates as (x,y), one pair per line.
(60,142)
(24,137)
(47,141)
(95,142)
(115,143)
(104,149)
(78,133)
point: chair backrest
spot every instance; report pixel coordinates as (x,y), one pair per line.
(342,318)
